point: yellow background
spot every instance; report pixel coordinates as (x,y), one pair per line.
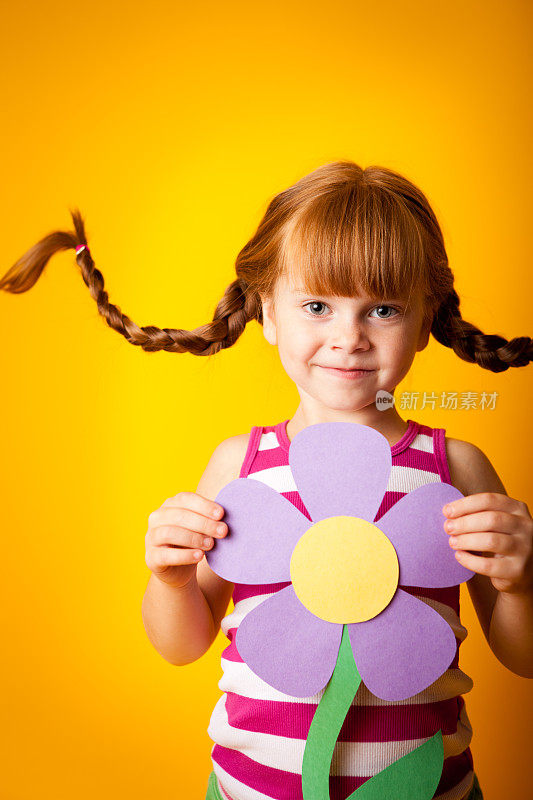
(170,125)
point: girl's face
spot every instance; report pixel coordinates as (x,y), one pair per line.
(315,333)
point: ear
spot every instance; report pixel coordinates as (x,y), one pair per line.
(269,320)
(425,330)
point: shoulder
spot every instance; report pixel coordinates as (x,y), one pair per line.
(230,453)
(224,465)
(470,468)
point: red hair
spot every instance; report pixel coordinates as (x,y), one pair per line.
(339,229)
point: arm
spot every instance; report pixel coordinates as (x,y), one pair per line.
(499,530)
(183,621)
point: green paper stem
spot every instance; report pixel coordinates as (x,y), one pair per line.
(327,723)
(415,776)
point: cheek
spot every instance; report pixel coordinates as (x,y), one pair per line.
(299,344)
(400,345)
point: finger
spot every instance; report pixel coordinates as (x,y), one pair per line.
(484,541)
(499,521)
(159,558)
(481,502)
(196,502)
(180,537)
(493,567)
(185,518)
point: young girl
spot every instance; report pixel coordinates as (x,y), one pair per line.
(348,275)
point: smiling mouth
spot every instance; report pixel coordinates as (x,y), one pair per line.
(347,369)
(348,373)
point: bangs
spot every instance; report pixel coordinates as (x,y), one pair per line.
(356,238)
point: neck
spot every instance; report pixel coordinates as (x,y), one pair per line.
(388,423)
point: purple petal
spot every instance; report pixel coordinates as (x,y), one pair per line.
(288,647)
(415,527)
(402,650)
(263,528)
(340,469)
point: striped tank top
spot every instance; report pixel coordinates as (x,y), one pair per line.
(259,733)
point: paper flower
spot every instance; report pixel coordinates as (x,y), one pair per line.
(345,568)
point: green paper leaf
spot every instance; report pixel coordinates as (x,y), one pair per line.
(327,723)
(415,776)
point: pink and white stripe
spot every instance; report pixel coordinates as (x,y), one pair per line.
(259,733)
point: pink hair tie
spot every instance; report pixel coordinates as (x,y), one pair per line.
(81,247)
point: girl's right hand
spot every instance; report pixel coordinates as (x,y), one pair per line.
(179,532)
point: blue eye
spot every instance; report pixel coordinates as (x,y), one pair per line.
(315,303)
(390,308)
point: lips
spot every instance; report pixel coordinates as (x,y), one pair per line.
(348,369)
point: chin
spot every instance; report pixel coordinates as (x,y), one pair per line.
(346,405)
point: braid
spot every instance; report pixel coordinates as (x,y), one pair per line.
(469,343)
(236,308)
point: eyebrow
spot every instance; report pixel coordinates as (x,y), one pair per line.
(302,291)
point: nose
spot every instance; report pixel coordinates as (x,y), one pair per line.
(349,335)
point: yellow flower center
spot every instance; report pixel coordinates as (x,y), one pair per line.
(344,569)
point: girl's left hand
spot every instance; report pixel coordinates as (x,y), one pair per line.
(500,527)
